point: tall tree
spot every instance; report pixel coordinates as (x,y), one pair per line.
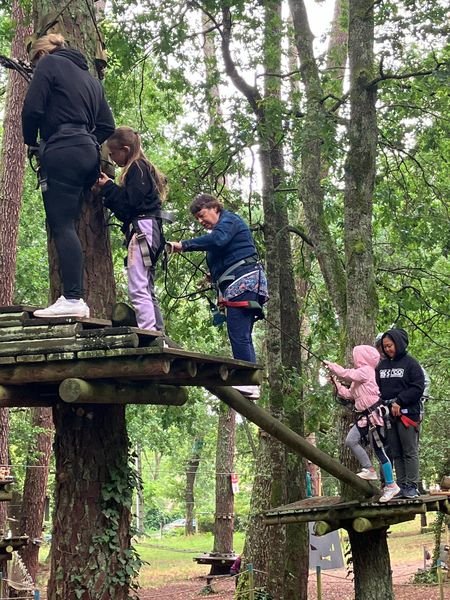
(12,164)
(288,546)
(353,289)
(93,481)
(35,486)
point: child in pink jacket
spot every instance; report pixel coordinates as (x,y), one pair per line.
(364,392)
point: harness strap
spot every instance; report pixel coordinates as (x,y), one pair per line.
(407,422)
(149,257)
(373,431)
(227,275)
(368,411)
(240,304)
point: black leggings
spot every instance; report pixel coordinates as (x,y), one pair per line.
(69,171)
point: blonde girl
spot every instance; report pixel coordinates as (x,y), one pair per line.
(136,201)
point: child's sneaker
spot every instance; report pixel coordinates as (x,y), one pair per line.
(64,308)
(249,391)
(389,492)
(369,474)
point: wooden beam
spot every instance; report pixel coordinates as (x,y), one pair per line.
(362,524)
(122,314)
(40,332)
(80,391)
(44,346)
(27,395)
(295,442)
(105,368)
(324,527)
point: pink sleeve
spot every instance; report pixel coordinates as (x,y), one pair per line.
(360,375)
(343,391)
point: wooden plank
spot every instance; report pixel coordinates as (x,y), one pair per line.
(16,308)
(4,324)
(60,356)
(40,332)
(7,360)
(67,320)
(207,359)
(30,358)
(144,333)
(66,344)
(91,354)
(15,316)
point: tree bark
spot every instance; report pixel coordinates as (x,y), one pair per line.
(189,495)
(35,488)
(351,287)
(224,517)
(12,164)
(91,523)
(286,551)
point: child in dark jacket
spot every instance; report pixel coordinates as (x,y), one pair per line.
(401,381)
(136,201)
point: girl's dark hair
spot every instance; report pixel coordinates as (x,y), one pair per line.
(125,136)
(205,201)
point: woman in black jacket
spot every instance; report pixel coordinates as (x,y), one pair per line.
(66,106)
(401,382)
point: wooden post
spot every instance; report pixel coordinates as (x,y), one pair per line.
(251,582)
(319,582)
(94,392)
(295,442)
(440,582)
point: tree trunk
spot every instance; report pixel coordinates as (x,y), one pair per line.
(140,503)
(35,488)
(91,553)
(91,522)
(189,495)
(12,164)
(224,517)
(4,460)
(362,302)
(287,549)
(12,161)
(226,427)
(352,289)
(372,565)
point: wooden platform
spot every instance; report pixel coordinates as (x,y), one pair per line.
(330,513)
(11,544)
(220,563)
(38,355)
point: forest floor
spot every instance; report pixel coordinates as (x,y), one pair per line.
(335,586)
(177,578)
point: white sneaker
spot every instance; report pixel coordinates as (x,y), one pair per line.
(389,492)
(65,308)
(249,391)
(369,474)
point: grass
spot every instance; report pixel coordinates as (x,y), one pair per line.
(171,558)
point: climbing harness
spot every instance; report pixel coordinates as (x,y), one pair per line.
(149,255)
